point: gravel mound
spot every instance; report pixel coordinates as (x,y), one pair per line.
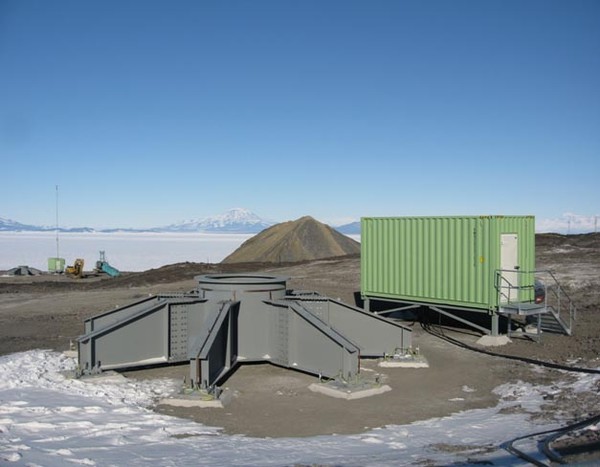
(294,241)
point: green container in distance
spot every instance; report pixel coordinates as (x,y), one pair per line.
(56,264)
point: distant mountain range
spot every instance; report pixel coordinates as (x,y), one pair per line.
(8,225)
(237,220)
(233,221)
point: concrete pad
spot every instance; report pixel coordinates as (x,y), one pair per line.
(412,361)
(199,399)
(348,394)
(532,329)
(493,341)
(192,402)
(70,353)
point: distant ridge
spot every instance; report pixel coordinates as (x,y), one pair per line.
(9,225)
(237,220)
(300,240)
(349,229)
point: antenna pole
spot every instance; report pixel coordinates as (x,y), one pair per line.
(57,249)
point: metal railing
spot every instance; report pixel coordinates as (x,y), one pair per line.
(558,301)
(521,292)
(540,283)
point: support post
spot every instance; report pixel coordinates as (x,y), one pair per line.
(495,321)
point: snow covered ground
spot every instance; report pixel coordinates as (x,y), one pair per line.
(50,420)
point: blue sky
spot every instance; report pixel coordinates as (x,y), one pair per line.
(146,113)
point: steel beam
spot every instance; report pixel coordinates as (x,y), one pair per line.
(135,335)
(374,335)
(214,351)
(233,319)
(462,320)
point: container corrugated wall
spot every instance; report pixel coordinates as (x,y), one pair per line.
(444,260)
(56,264)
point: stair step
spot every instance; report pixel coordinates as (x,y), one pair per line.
(550,322)
(553,330)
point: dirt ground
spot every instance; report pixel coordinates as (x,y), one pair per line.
(48,312)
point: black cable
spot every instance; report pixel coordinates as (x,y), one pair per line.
(556,366)
(558,431)
(562,431)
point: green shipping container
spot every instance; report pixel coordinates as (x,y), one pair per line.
(56,264)
(450,261)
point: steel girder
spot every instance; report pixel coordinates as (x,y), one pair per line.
(232,319)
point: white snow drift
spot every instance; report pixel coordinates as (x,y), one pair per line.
(48,419)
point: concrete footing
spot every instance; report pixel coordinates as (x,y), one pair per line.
(493,341)
(199,399)
(349,391)
(406,361)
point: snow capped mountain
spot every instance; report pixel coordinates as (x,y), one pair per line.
(8,225)
(237,220)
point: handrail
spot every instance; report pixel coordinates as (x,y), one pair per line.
(500,278)
(548,271)
(561,296)
(563,299)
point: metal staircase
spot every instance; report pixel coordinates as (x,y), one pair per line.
(553,323)
(544,304)
(561,310)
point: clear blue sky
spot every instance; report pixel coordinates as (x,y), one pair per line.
(146,113)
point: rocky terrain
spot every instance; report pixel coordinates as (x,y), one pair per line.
(574,259)
(48,312)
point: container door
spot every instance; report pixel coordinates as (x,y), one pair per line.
(509,263)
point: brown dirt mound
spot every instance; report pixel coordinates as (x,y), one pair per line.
(294,241)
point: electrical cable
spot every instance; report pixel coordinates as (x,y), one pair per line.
(558,432)
(429,329)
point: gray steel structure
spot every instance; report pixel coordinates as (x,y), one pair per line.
(235,318)
(23,271)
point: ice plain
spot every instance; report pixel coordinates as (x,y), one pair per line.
(125,251)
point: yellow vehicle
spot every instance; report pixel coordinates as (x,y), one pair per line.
(76,270)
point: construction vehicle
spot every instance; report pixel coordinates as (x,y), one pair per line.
(103,266)
(76,270)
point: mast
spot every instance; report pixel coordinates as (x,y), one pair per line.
(57,244)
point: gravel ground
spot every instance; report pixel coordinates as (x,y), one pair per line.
(48,312)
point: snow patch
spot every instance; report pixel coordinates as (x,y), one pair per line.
(48,419)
